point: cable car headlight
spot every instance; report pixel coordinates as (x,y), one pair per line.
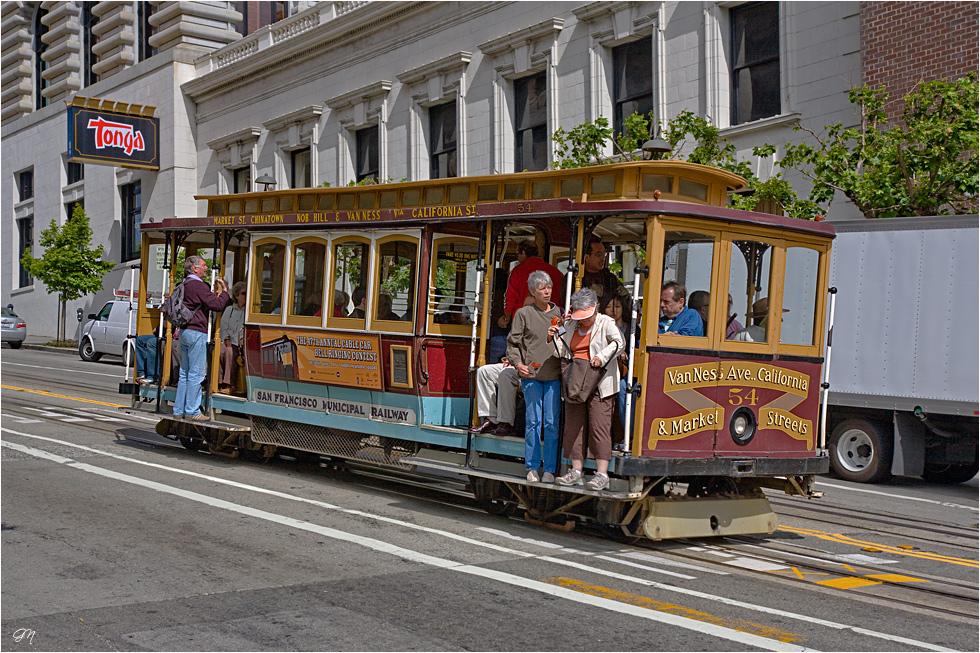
(743,426)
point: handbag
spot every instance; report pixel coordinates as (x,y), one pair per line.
(579,379)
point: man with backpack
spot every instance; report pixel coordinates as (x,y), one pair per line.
(200,299)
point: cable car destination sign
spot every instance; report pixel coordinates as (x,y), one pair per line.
(113,133)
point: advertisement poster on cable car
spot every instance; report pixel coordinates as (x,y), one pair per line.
(321,357)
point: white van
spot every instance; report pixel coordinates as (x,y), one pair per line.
(105,332)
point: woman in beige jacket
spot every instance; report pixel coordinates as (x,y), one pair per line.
(592,336)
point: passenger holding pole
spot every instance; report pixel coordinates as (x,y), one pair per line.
(194,337)
(530,349)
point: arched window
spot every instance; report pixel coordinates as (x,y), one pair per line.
(89,21)
(40,65)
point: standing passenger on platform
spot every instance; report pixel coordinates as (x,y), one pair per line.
(532,352)
(194,337)
(601,280)
(593,337)
(517,286)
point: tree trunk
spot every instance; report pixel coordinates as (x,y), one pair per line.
(62,307)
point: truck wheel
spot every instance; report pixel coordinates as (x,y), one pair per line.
(86,351)
(861,451)
(949,474)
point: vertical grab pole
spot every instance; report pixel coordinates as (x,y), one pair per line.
(215,267)
(825,386)
(480,304)
(638,271)
(161,327)
(573,248)
(130,341)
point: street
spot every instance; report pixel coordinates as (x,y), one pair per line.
(115,538)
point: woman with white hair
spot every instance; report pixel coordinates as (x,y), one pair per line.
(593,337)
(531,351)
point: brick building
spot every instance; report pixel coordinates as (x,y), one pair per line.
(904,43)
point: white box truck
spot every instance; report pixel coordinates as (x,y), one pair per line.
(903,397)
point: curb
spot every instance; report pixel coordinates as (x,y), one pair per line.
(58,350)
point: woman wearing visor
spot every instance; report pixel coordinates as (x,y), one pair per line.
(594,337)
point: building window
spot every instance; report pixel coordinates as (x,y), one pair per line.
(367,153)
(25,230)
(70,208)
(755,61)
(633,81)
(442,141)
(131,215)
(301,168)
(531,123)
(89,21)
(25,184)
(75,171)
(242,180)
(256,15)
(40,65)
(143,48)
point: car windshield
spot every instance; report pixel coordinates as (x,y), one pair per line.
(8,313)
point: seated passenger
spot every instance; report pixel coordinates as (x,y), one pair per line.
(756,332)
(147,372)
(384,308)
(496,398)
(360,303)
(232,338)
(675,317)
(340,300)
(733,326)
(698,301)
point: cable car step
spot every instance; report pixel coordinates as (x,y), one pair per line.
(443,466)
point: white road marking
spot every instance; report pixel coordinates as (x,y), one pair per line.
(21,420)
(620,561)
(494,547)
(58,416)
(637,555)
(755,564)
(945,504)
(98,416)
(61,369)
(745,639)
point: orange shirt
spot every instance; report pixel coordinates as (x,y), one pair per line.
(579,344)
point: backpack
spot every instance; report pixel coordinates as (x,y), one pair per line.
(175,310)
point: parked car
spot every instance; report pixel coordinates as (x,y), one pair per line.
(14,328)
(105,332)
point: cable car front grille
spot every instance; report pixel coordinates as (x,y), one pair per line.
(333,442)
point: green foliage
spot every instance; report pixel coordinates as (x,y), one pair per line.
(636,130)
(581,146)
(926,164)
(68,266)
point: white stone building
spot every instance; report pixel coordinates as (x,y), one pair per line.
(337,91)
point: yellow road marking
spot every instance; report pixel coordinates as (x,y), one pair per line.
(843,539)
(740,625)
(848,582)
(897,578)
(45,393)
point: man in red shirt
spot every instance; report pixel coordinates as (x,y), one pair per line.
(517,292)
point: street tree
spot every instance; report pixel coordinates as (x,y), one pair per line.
(691,138)
(924,164)
(68,265)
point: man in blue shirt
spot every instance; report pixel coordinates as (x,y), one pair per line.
(675,317)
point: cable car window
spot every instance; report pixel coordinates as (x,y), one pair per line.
(396,281)
(309,259)
(270,269)
(687,277)
(454,285)
(749,283)
(800,296)
(350,266)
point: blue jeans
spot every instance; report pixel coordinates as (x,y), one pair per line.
(543,404)
(146,357)
(193,364)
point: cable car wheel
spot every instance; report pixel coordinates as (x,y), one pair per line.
(490,497)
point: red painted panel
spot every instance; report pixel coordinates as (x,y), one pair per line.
(447,361)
